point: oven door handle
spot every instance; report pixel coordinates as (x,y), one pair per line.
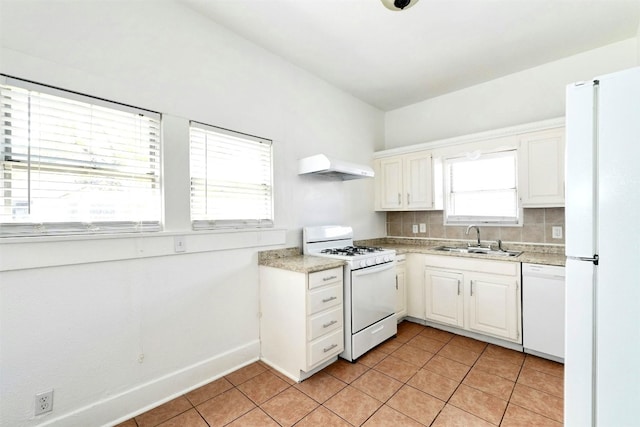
(374,269)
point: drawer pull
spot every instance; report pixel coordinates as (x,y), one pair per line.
(377,330)
(331,347)
(325,279)
(326,325)
(329,299)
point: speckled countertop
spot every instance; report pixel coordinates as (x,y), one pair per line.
(531,253)
(529,257)
(292,258)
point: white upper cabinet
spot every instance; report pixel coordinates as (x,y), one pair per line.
(389,182)
(404,182)
(541,168)
(418,181)
(410,178)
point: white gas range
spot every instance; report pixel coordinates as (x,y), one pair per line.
(369,286)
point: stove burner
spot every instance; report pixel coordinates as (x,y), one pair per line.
(352,250)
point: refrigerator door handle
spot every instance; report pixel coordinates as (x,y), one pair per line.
(595,259)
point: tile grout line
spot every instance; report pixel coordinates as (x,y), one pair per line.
(460,383)
(406,341)
(513,389)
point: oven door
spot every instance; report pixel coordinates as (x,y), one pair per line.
(373,295)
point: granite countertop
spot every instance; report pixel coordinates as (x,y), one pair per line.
(291,259)
(531,253)
(527,257)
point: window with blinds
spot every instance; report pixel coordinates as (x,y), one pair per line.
(74,164)
(231,179)
(482,189)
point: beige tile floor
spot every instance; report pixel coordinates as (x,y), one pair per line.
(423,377)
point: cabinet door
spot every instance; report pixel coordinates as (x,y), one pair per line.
(401,292)
(415,285)
(444,301)
(418,182)
(391,183)
(541,166)
(494,307)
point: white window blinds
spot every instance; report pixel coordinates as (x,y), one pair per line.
(75,164)
(482,189)
(231,179)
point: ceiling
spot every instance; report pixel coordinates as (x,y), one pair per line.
(392,59)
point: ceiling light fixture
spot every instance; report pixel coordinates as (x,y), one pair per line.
(398,5)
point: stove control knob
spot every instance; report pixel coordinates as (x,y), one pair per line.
(379,260)
(363,263)
(387,258)
(370,261)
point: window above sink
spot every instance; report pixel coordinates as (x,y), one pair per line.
(481,188)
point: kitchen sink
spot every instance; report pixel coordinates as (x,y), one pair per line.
(477,250)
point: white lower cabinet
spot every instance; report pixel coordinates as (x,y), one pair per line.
(443,301)
(301,320)
(415,285)
(477,295)
(494,306)
(401,288)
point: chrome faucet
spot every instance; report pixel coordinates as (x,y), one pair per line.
(477,231)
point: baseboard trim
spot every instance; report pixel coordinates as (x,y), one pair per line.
(465,333)
(137,400)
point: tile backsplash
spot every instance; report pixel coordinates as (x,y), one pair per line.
(536,228)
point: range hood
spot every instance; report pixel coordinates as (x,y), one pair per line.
(327,166)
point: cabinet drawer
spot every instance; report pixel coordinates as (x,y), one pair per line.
(505,268)
(323,323)
(325,277)
(325,347)
(324,298)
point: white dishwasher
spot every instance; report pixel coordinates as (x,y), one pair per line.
(543,310)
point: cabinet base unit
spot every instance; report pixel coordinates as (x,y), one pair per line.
(301,320)
(300,375)
(480,296)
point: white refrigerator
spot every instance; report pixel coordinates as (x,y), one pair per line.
(602,348)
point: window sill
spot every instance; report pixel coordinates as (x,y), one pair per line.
(18,253)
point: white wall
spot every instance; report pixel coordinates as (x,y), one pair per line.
(528,96)
(115,325)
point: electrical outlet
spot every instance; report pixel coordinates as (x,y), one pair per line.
(414,228)
(556,232)
(44,402)
(423,228)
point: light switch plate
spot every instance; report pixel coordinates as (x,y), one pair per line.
(423,228)
(556,232)
(179,244)
(415,228)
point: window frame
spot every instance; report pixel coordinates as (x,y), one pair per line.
(207,221)
(485,220)
(85,225)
